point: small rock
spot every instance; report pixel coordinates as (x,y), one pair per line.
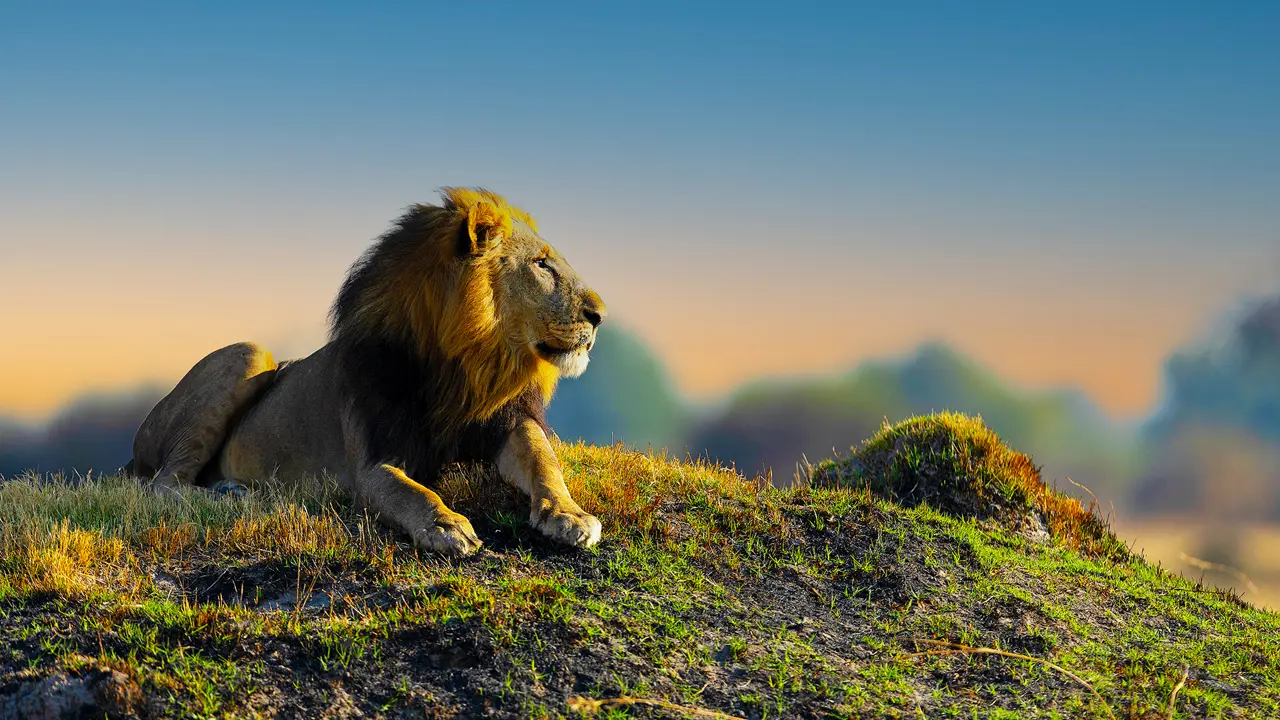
(1036,530)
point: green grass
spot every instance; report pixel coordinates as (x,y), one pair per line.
(708,591)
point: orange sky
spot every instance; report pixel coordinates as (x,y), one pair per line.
(112,319)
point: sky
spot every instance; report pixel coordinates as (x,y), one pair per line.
(1064,192)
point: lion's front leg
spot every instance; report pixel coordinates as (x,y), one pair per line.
(415,509)
(528,462)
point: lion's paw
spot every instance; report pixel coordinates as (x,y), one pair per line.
(450,535)
(230,488)
(569,526)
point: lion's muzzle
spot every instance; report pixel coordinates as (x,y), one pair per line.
(593,309)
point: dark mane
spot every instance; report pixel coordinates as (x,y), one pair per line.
(403,408)
(409,398)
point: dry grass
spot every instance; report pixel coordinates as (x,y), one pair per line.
(80,539)
(587,706)
(70,562)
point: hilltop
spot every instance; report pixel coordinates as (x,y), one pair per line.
(888,585)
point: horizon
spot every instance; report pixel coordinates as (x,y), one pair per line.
(1063,195)
(706,404)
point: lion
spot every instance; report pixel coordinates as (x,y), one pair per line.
(446,342)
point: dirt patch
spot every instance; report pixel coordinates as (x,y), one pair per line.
(92,692)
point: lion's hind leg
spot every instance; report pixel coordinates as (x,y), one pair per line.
(185,429)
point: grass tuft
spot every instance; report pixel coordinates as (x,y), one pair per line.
(956,464)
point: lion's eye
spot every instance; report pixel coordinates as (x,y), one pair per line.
(542,263)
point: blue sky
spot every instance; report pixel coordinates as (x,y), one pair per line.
(1087,99)
(736,177)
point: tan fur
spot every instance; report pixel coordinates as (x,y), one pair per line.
(529,463)
(470,284)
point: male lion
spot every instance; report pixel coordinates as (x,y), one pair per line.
(447,339)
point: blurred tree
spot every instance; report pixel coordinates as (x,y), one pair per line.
(624,395)
(1215,442)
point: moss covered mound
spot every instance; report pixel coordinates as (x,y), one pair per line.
(954,463)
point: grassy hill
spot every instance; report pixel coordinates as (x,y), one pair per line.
(924,574)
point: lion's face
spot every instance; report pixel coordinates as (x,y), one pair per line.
(546,308)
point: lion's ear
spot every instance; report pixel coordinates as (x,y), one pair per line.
(487,226)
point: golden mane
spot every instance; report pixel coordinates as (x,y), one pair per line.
(479,203)
(411,287)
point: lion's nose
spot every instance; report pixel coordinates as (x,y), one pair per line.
(593,309)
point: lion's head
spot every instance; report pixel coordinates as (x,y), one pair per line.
(542,305)
(473,282)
